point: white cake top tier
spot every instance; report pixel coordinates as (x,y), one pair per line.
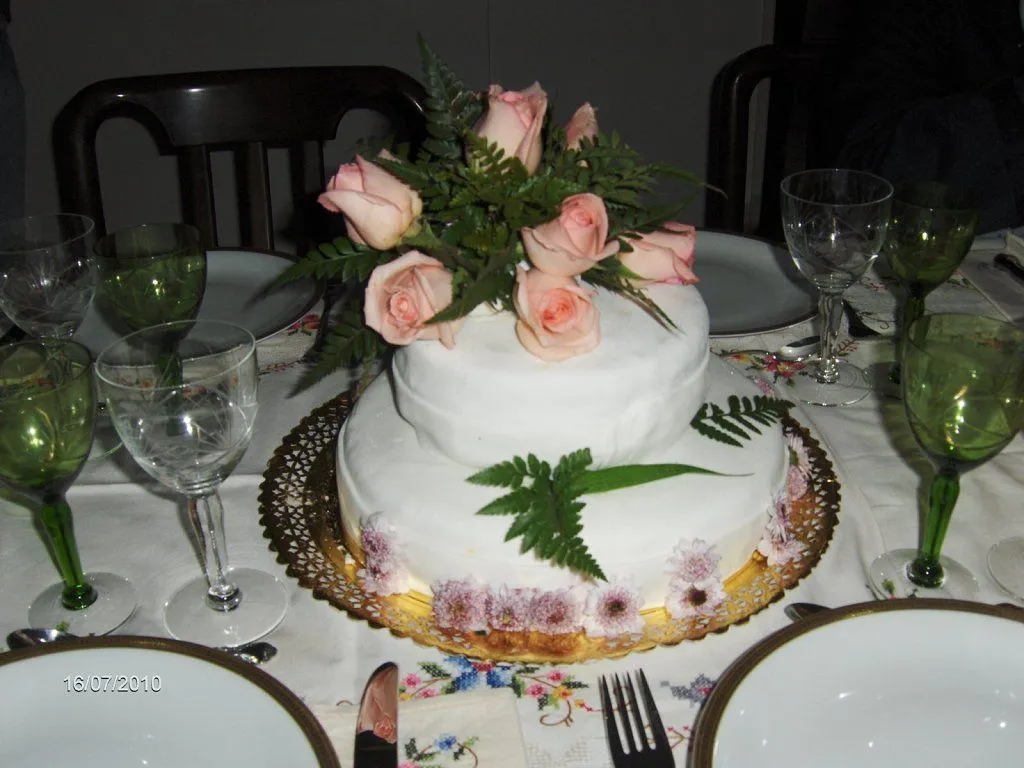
(488,399)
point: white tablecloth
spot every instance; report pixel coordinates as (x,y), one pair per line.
(126,525)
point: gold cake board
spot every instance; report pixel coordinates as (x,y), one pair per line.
(299,495)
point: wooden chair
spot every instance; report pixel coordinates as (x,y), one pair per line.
(796,133)
(243,111)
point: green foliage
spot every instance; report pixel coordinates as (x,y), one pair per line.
(477,200)
(349,343)
(742,417)
(546,510)
(546,506)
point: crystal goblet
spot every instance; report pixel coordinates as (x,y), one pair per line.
(47,411)
(47,275)
(930,232)
(151,274)
(963,392)
(186,414)
(835,222)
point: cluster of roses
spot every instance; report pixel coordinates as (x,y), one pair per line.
(556,315)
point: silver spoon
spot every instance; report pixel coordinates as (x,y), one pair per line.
(254,653)
(793,352)
(797,611)
(800,349)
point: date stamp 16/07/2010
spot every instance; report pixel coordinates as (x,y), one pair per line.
(113,684)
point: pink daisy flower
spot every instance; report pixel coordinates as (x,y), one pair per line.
(383,571)
(694,599)
(798,456)
(613,609)
(556,613)
(535,690)
(459,604)
(694,561)
(509,610)
(796,483)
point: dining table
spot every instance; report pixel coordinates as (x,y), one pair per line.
(468,711)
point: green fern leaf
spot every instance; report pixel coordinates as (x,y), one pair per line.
(743,416)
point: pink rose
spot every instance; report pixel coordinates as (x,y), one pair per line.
(513,121)
(379,209)
(582,125)
(557,319)
(575,241)
(664,256)
(403,294)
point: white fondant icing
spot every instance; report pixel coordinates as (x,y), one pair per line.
(631,532)
(488,399)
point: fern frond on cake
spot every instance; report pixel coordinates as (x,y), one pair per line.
(740,419)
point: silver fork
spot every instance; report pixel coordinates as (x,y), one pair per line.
(641,753)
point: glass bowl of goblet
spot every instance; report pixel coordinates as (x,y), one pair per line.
(835,222)
(151,274)
(183,399)
(47,410)
(930,232)
(47,275)
(962,382)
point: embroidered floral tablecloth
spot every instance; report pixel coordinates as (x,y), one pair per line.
(126,525)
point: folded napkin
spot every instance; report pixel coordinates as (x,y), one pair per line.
(438,731)
(288,345)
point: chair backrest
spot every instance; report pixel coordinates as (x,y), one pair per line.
(796,131)
(243,111)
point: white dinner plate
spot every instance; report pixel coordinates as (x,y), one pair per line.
(236,291)
(890,683)
(131,701)
(750,286)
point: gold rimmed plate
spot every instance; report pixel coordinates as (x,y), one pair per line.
(104,701)
(299,509)
(886,683)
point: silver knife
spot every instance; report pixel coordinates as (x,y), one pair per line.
(1011,264)
(377,724)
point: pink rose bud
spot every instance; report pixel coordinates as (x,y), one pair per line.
(582,125)
(663,256)
(513,121)
(403,294)
(557,318)
(575,241)
(379,209)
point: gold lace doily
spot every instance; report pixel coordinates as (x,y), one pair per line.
(298,496)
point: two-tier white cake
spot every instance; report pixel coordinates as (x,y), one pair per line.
(416,434)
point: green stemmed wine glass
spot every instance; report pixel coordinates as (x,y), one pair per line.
(930,232)
(47,412)
(963,393)
(151,274)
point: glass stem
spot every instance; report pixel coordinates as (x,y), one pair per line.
(911,310)
(829,311)
(925,570)
(207,516)
(56,516)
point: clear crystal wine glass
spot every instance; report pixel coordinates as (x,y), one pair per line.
(962,383)
(835,223)
(183,399)
(47,411)
(47,273)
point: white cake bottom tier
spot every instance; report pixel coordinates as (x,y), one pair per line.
(429,508)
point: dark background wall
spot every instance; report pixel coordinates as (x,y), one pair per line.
(647,66)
